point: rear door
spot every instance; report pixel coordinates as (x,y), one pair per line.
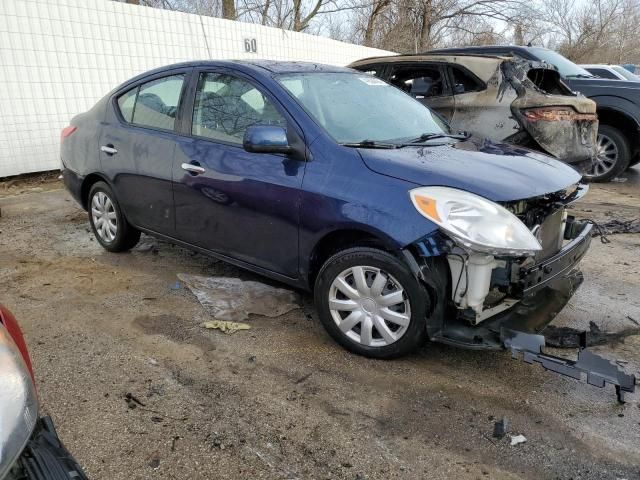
(483,100)
(240,204)
(137,147)
(426,82)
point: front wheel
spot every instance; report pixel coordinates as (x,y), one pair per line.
(612,156)
(371,304)
(108,223)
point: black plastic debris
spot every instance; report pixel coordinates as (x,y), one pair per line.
(566,337)
(616,225)
(500,428)
(598,370)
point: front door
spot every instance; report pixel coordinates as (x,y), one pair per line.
(240,204)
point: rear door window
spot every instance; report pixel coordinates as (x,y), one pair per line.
(464,82)
(421,81)
(153,104)
(126,102)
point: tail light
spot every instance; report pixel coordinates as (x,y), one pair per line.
(66,132)
(556,114)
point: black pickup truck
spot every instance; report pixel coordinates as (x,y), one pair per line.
(618,105)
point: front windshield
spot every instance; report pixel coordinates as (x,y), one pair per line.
(357,107)
(626,73)
(566,67)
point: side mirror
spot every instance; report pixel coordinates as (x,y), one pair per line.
(266,139)
(458,88)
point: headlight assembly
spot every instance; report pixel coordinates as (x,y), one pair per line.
(475,222)
(18,403)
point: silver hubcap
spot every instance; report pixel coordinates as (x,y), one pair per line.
(606,156)
(369,306)
(104,217)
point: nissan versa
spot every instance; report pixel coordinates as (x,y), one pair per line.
(332,180)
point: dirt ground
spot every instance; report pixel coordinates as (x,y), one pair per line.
(282,400)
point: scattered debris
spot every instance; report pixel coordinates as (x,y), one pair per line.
(147,244)
(619,226)
(173,442)
(154,463)
(132,400)
(567,337)
(633,320)
(226,327)
(234,299)
(175,286)
(252,359)
(302,379)
(619,179)
(516,439)
(500,428)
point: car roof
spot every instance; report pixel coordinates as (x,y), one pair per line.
(483,66)
(258,66)
(489,49)
(594,65)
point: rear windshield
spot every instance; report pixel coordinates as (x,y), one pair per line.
(566,67)
(626,73)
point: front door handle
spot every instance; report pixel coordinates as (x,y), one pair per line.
(108,149)
(195,169)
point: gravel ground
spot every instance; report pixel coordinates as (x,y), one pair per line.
(281,400)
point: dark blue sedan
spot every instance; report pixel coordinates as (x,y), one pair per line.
(332,180)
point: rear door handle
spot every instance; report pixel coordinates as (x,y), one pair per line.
(195,169)
(108,149)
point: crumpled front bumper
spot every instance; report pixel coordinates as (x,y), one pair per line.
(545,287)
(45,457)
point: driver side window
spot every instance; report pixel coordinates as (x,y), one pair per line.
(225,106)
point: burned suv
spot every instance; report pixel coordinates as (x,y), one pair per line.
(510,100)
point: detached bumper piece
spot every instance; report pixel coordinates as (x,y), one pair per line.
(598,370)
(45,457)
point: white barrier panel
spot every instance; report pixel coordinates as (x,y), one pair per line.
(58,57)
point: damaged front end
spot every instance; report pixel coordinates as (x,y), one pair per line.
(554,119)
(496,300)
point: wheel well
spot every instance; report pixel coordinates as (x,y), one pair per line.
(87,183)
(339,240)
(627,125)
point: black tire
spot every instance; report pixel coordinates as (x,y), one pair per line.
(418,298)
(125,236)
(621,144)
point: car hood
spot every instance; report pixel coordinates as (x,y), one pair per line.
(497,172)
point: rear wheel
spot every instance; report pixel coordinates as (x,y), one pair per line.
(109,226)
(371,304)
(612,157)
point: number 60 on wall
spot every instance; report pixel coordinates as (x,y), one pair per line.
(250,45)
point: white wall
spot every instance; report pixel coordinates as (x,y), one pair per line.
(58,57)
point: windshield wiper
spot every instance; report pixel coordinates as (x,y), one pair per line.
(370,144)
(431,136)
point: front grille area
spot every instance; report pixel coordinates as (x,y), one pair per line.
(544,216)
(550,235)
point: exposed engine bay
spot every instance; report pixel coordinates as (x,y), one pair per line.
(484,285)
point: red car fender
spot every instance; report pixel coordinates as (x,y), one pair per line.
(10,323)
